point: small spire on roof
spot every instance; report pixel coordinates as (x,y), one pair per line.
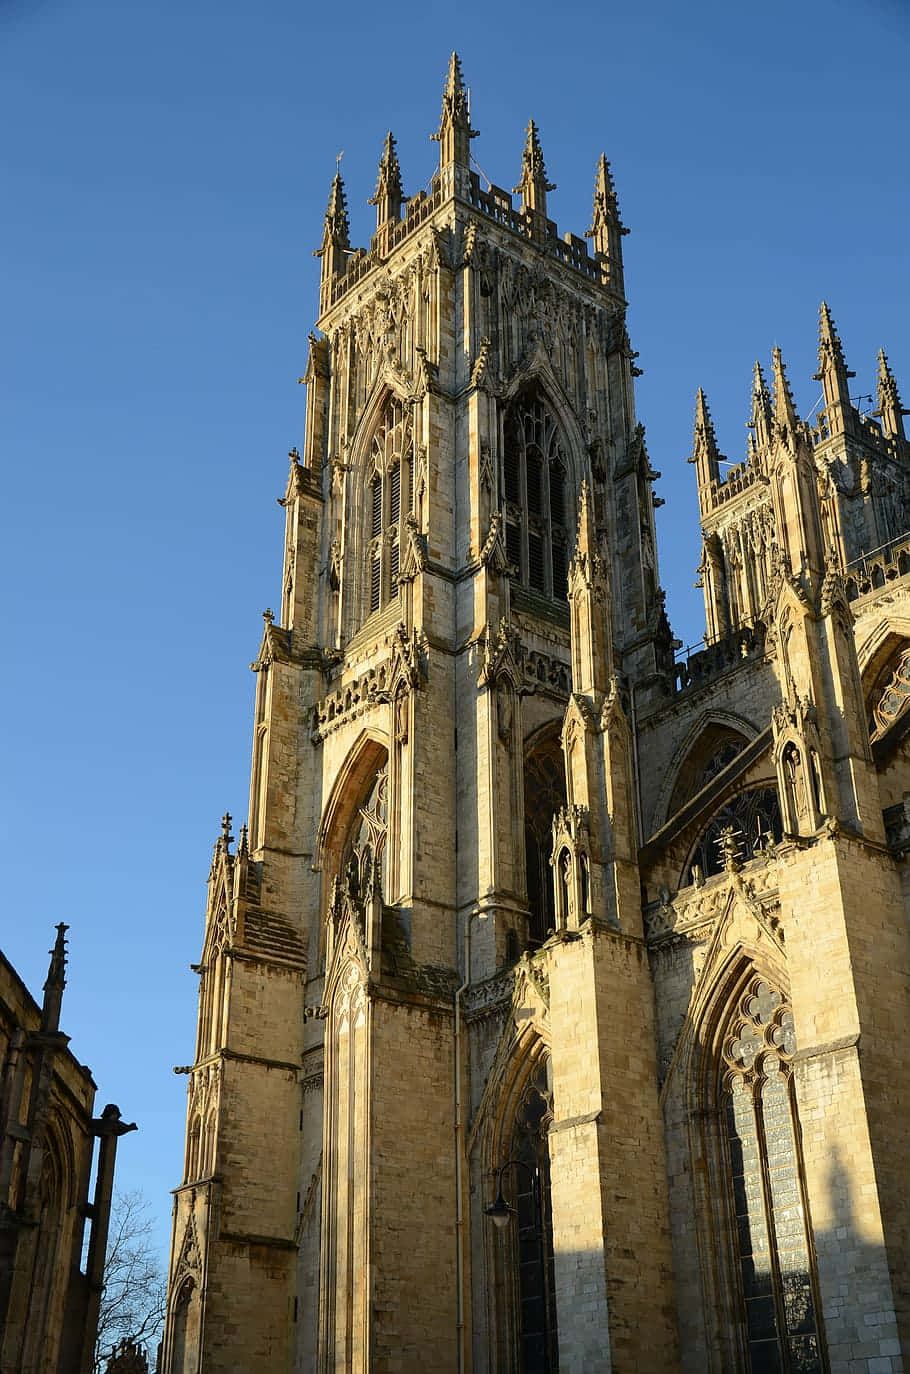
(534,185)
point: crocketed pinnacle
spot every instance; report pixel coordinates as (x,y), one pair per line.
(831,362)
(388,182)
(784,409)
(55,983)
(337,229)
(56,972)
(889,408)
(705,453)
(533,171)
(760,416)
(455,109)
(605,211)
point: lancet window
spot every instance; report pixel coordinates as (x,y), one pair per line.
(774,1271)
(535,472)
(390,497)
(531,1234)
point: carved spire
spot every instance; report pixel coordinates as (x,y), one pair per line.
(832,368)
(336,229)
(760,417)
(455,132)
(388,197)
(705,453)
(607,228)
(55,983)
(589,599)
(785,416)
(336,235)
(889,410)
(533,185)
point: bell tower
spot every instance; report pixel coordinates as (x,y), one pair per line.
(399,990)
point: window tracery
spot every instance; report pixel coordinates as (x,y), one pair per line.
(893,699)
(776,1276)
(535,471)
(390,486)
(364,853)
(755,820)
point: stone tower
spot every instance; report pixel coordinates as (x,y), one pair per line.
(511,1051)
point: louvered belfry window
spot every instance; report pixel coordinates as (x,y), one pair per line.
(534,487)
(390,476)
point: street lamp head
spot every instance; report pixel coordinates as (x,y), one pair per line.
(499,1211)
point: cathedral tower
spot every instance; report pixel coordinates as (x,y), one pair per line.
(469,577)
(552,1000)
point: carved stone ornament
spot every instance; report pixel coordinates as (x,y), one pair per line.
(414,553)
(493,551)
(482,370)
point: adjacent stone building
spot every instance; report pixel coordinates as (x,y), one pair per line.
(48,1300)
(552,1004)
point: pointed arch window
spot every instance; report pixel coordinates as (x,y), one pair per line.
(774,1272)
(390,485)
(535,472)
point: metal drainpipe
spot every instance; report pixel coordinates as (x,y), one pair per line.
(459,1152)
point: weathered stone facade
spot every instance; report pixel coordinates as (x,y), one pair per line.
(525,910)
(48,1301)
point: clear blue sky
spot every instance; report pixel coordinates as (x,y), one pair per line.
(165,169)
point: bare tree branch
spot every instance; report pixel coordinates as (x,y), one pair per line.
(133,1300)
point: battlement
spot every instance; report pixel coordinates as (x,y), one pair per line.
(494,204)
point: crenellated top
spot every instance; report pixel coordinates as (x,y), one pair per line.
(343,267)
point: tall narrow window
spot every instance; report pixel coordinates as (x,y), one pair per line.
(534,482)
(545,793)
(391,475)
(776,1275)
(533,1234)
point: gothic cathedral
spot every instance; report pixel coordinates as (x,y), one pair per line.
(552,1003)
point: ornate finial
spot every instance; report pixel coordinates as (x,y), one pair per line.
(268,616)
(760,416)
(294,456)
(455,132)
(226,836)
(388,184)
(889,409)
(784,409)
(337,230)
(55,983)
(605,212)
(728,844)
(705,453)
(832,368)
(243,843)
(455,107)
(56,973)
(534,184)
